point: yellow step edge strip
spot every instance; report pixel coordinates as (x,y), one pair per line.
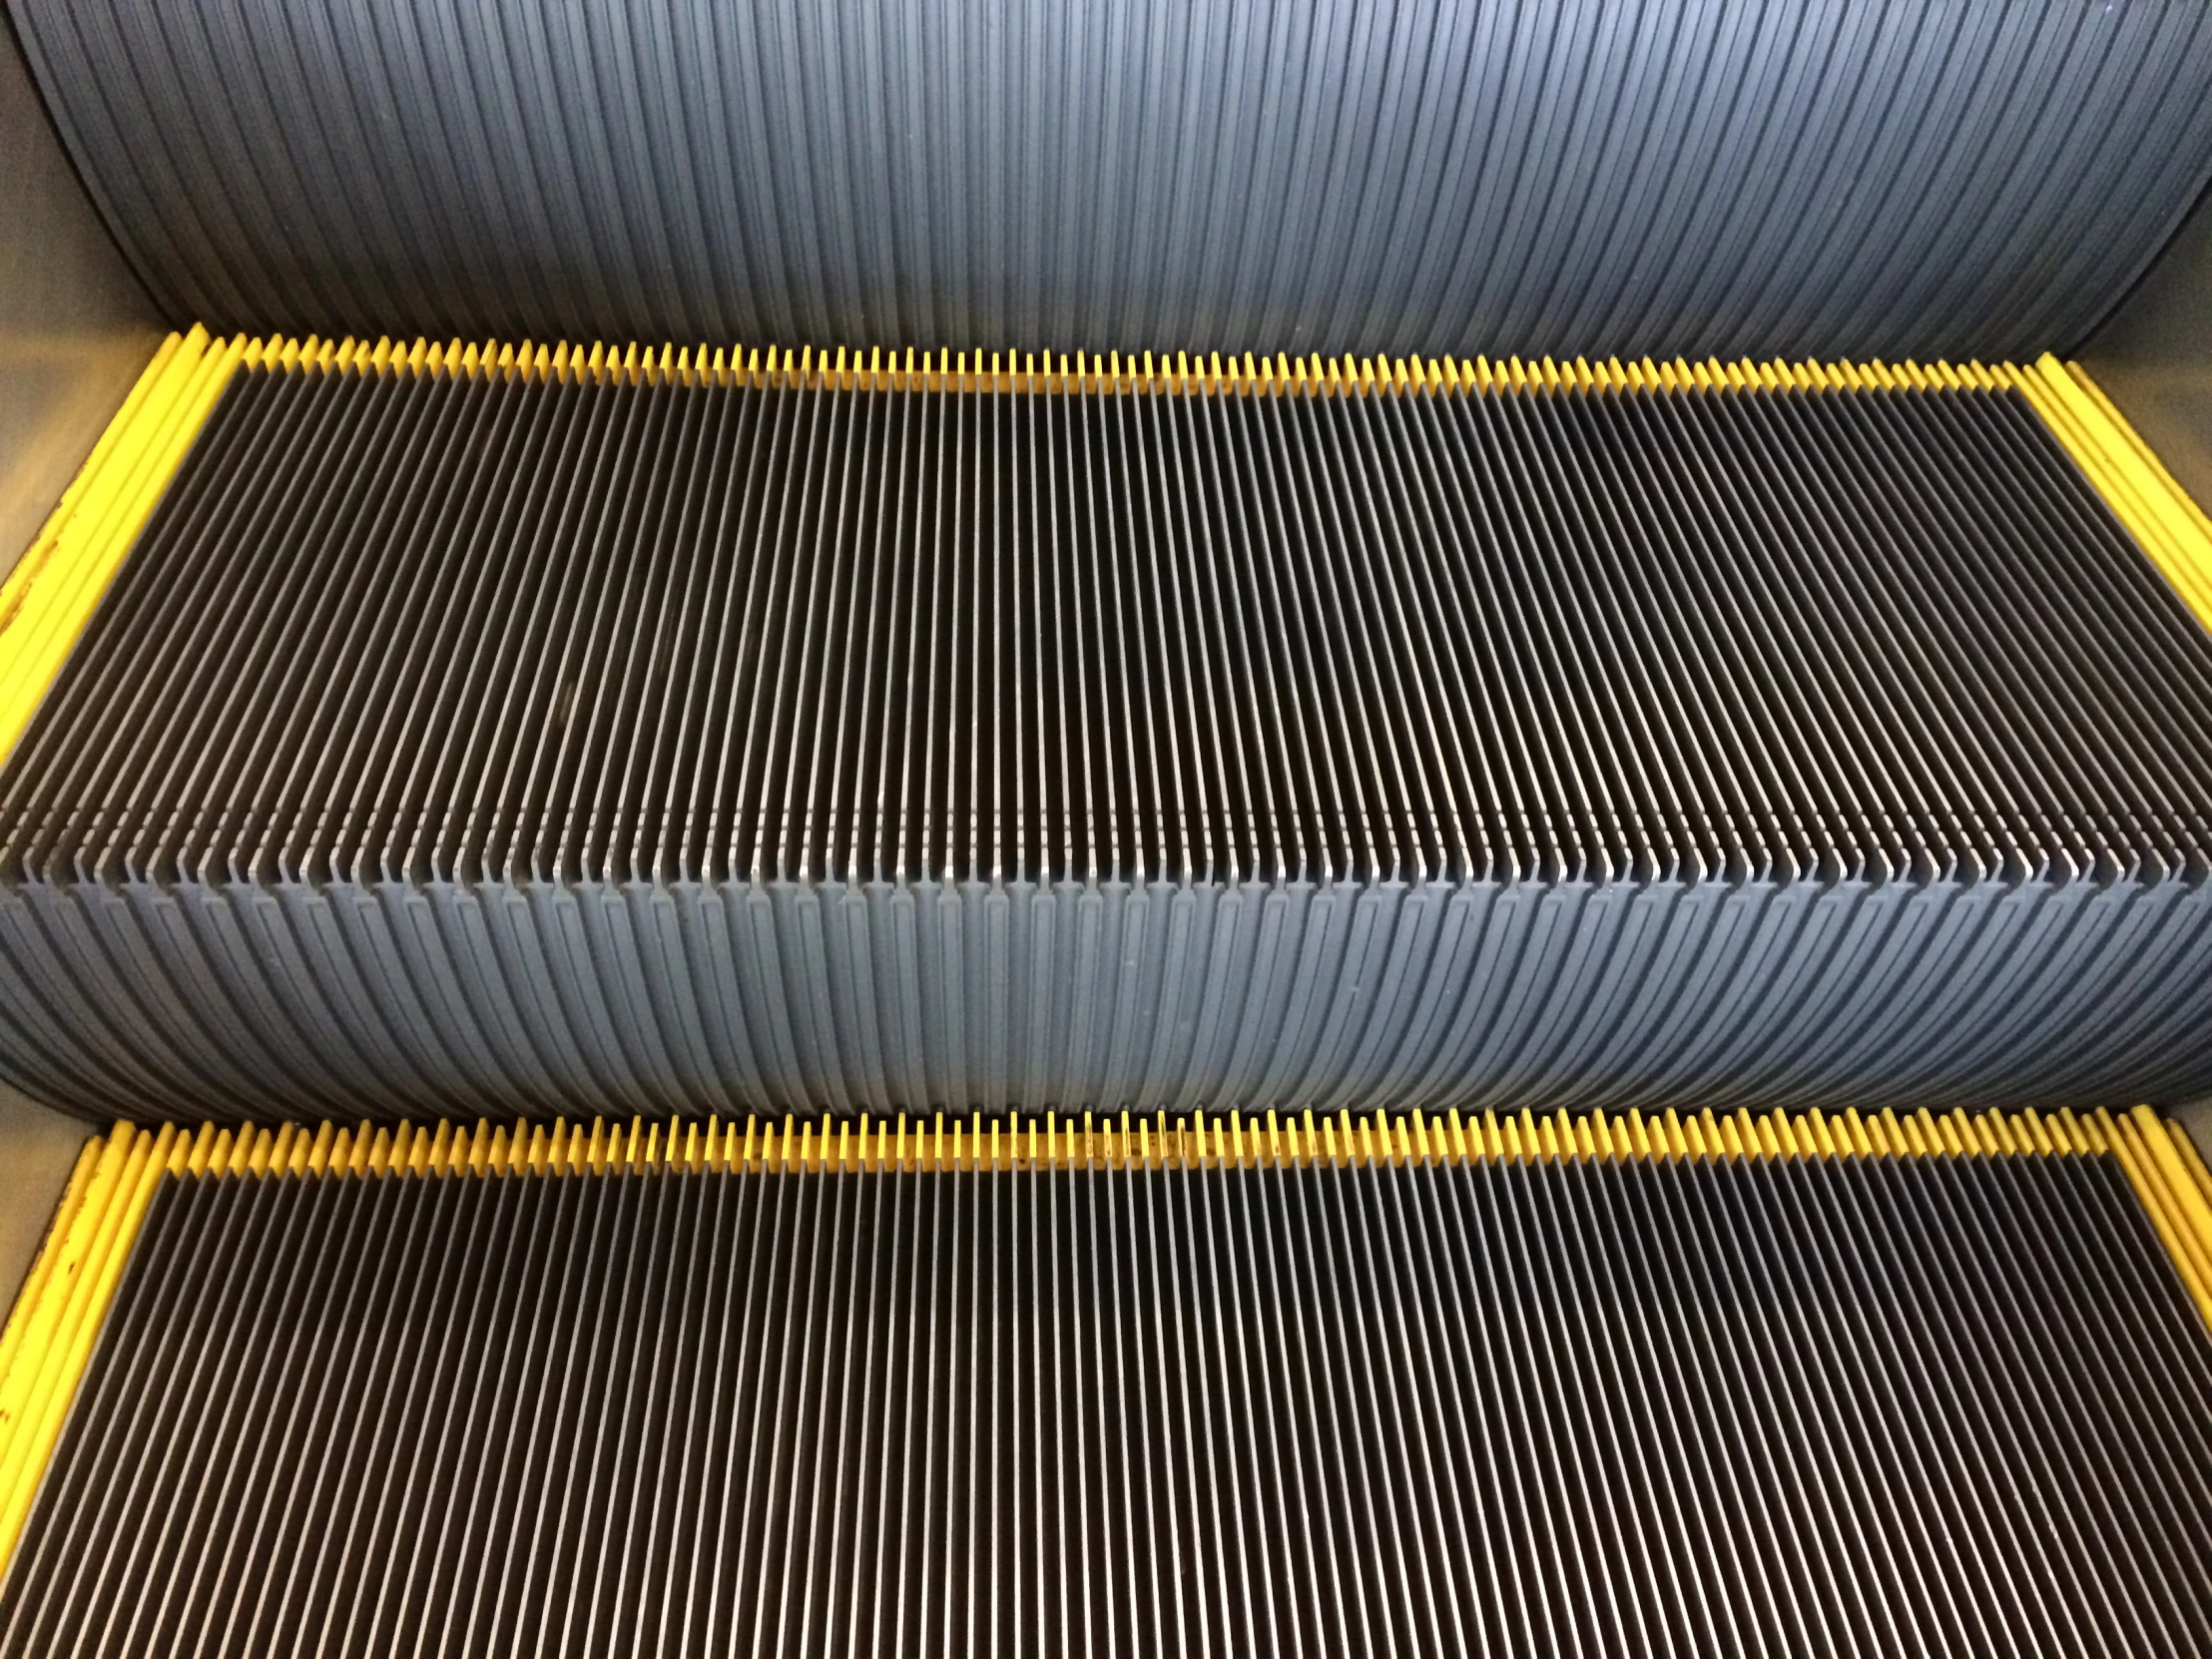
(50,594)
(1158,1141)
(2150,1151)
(851,369)
(2170,1180)
(50,1251)
(2169,527)
(58,1315)
(2193,1161)
(2180,498)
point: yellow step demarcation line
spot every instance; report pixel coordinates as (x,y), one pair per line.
(49,1252)
(1012,372)
(2172,531)
(1181,373)
(57,1317)
(58,1314)
(1195,1140)
(54,588)
(2153,1153)
(50,597)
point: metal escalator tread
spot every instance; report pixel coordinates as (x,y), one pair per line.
(512,730)
(1218,1387)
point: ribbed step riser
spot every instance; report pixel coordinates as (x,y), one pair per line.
(1666,176)
(299,1003)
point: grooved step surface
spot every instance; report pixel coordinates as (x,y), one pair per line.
(419,627)
(482,731)
(1850,1406)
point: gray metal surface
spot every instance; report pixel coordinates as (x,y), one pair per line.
(1946,178)
(75,326)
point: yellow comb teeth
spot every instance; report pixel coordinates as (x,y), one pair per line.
(1241,1138)
(2163,1167)
(2161,1162)
(1177,373)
